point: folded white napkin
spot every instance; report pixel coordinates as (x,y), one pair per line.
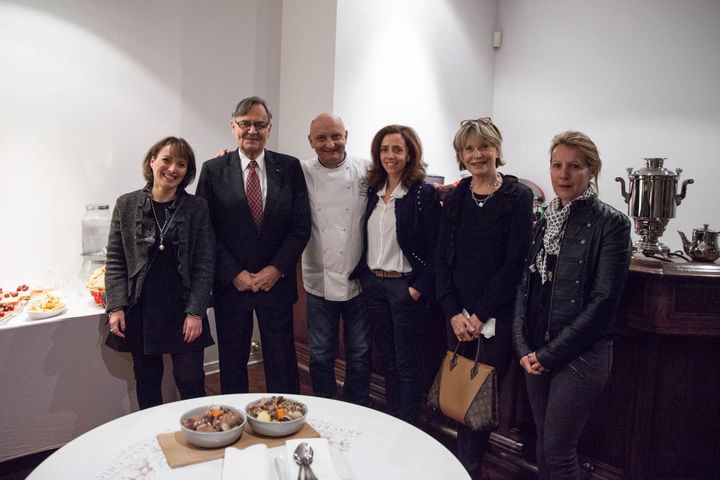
(322,464)
(488,330)
(251,462)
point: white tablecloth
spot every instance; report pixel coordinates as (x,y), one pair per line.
(58,379)
(374,445)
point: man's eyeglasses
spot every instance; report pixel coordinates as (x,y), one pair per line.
(247,125)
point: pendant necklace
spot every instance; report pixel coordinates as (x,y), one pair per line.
(480,202)
(168,221)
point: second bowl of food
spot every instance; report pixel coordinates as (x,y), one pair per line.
(276,416)
(212,427)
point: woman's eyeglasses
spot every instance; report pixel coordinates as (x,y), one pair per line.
(483,120)
(487,121)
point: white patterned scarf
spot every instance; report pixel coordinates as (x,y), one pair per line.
(555,216)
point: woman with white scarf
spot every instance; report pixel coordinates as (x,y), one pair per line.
(564,313)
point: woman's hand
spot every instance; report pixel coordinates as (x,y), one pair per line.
(414,293)
(532,365)
(192,328)
(466,328)
(117,323)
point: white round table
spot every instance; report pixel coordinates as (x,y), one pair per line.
(374,445)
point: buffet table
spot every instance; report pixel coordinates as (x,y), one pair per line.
(372,445)
(59,380)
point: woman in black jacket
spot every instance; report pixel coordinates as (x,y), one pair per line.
(160,258)
(484,235)
(572,284)
(396,268)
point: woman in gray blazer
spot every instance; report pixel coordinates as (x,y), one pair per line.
(160,258)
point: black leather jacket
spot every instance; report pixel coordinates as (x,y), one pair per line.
(588,283)
(132,233)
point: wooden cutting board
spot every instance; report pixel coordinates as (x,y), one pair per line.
(179,452)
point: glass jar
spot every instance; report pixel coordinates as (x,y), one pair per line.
(95,230)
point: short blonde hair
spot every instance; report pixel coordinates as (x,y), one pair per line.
(482,129)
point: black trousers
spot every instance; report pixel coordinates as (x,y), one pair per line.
(234,336)
(188,372)
(397,323)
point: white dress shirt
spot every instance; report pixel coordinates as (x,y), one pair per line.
(337,204)
(260,169)
(384,251)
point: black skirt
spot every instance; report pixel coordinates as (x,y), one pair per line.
(154,324)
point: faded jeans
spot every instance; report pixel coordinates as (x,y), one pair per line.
(323,317)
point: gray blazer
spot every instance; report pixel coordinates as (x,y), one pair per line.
(132,233)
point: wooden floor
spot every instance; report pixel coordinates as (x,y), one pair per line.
(20,468)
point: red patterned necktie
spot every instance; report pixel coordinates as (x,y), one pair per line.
(254,194)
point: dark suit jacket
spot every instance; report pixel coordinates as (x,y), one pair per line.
(241,246)
(417,217)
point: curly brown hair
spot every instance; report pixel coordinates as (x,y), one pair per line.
(178,147)
(415,167)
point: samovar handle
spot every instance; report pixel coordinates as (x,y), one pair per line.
(683,188)
(624,194)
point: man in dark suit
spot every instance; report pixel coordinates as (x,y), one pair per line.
(259,209)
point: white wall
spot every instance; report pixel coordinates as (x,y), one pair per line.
(423,63)
(641,77)
(307,71)
(87,87)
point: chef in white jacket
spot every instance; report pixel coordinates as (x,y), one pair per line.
(337,192)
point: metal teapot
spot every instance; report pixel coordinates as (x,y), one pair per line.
(652,200)
(704,245)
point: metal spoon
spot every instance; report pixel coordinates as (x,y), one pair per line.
(303,456)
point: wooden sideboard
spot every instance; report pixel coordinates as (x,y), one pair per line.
(659,416)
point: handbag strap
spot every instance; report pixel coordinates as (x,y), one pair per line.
(474,371)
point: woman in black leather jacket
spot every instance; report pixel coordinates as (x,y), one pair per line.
(564,313)
(396,266)
(160,258)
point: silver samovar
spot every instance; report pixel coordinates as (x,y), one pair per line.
(651,203)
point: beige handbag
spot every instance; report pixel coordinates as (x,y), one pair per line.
(466,390)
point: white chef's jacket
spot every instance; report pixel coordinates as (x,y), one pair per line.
(337,204)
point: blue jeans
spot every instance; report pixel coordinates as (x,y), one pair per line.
(397,323)
(323,318)
(561,402)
